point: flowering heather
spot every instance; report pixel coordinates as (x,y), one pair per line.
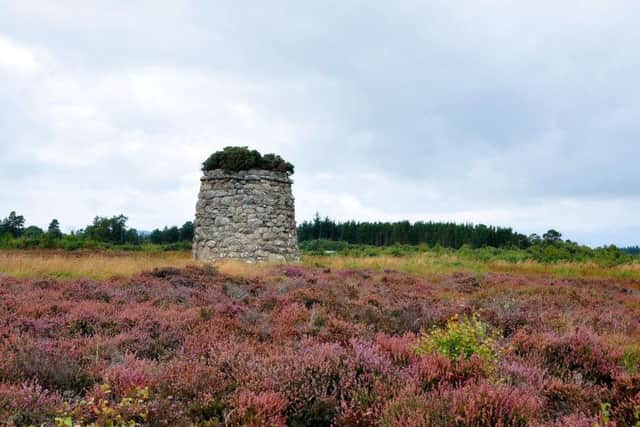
(308,346)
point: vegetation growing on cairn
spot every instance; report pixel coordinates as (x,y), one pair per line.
(234,159)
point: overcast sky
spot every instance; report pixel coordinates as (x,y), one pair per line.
(514,113)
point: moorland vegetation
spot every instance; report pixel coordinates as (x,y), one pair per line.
(314,346)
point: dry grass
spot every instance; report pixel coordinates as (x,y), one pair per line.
(433,264)
(93,265)
(102,265)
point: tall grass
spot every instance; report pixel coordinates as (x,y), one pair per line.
(105,264)
(93,265)
(433,264)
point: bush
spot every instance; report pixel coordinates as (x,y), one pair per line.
(475,404)
(233,159)
(56,367)
(460,340)
(102,410)
(564,355)
(27,404)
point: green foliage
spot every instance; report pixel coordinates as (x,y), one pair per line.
(33,232)
(54,229)
(631,360)
(446,234)
(186,231)
(112,230)
(103,233)
(233,159)
(542,252)
(477,242)
(170,235)
(460,339)
(633,250)
(605,416)
(13,225)
(552,236)
(128,411)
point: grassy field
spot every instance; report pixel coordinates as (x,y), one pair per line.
(91,265)
(430,263)
(105,264)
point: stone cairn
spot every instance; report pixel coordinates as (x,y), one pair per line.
(247,215)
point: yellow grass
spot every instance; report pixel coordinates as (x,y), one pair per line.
(432,264)
(93,265)
(101,265)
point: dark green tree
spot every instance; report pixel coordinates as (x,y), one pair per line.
(172,234)
(156,236)
(448,235)
(132,236)
(108,230)
(13,225)
(54,229)
(186,231)
(552,236)
(32,231)
(534,239)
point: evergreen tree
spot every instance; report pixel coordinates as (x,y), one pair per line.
(13,225)
(449,235)
(54,229)
(172,234)
(156,236)
(186,231)
(552,236)
(33,231)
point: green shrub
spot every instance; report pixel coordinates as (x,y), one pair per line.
(72,245)
(460,339)
(233,159)
(631,359)
(130,410)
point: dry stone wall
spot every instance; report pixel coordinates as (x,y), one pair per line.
(245,215)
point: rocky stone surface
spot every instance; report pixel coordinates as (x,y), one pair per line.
(245,215)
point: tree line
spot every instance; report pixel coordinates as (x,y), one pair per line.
(314,235)
(445,234)
(103,231)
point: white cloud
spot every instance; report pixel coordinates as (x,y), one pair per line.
(106,142)
(490,111)
(16,56)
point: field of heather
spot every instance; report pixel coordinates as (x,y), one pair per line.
(314,346)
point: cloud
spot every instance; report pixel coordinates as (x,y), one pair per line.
(493,111)
(132,140)
(15,56)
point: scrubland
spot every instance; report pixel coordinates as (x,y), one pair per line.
(109,339)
